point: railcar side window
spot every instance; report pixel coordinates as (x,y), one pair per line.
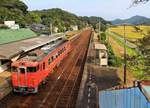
(59,52)
(43,65)
(14,69)
(49,61)
(37,67)
(52,58)
(31,69)
(57,55)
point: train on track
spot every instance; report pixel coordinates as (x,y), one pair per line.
(34,68)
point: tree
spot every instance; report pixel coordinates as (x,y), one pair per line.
(32,17)
(145,50)
(136,2)
(13,10)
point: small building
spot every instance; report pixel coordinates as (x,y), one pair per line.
(103,56)
(74,27)
(123,98)
(38,27)
(11,24)
(56,29)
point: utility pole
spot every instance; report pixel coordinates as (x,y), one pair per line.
(107,33)
(125,57)
(100,30)
(51,29)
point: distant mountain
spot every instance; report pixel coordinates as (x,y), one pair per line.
(136,20)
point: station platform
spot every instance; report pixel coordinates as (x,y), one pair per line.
(5,84)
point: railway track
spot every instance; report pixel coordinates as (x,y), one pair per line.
(62,88)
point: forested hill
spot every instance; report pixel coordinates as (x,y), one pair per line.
(13,10)
(17,10)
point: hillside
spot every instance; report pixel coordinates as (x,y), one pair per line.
(135,20)
(17,10)
(13,10)
(63,19)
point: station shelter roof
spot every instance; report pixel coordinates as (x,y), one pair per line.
(100,46)
(10,50)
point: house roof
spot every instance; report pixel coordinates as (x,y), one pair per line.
(8,35)
(100,46)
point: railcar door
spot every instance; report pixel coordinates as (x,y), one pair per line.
(22,77)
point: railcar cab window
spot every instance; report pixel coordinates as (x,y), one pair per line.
(31,69)
(22,70)
(14,69)
(43,65)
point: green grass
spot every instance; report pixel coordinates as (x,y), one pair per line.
(8,35)
(130,51)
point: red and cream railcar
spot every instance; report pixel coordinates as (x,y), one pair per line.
(30,71)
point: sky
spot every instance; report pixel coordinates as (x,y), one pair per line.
(107,9)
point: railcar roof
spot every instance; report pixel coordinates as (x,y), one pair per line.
(39,54)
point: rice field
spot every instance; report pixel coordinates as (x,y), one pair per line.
(145,29)
(117,42)
(131,32)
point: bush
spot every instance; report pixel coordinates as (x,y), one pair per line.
(103,37)
(112,59)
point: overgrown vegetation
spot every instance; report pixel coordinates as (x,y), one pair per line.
(113,60)
(144,47)
(103,38)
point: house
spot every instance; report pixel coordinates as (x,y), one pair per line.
(38,27)
(103,56)
(56,29)
(74,27)
(11,24)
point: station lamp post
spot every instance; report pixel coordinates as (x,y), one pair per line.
(99,30)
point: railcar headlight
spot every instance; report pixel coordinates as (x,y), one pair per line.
(32,81)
